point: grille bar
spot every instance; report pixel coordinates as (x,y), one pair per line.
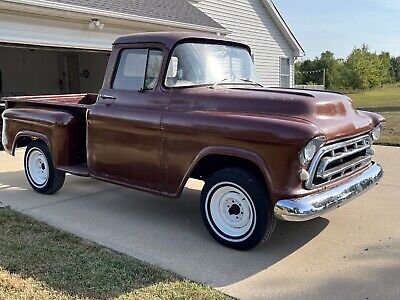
(351,165)
(339,159)
(326,161)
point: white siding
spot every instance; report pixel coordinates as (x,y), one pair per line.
(28,29)
(249,22)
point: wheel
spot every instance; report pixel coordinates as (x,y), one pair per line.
(236,209)
(39,169)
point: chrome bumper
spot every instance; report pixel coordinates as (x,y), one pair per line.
(315,205)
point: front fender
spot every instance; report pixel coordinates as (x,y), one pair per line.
(248,155)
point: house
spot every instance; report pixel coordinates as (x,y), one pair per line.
(259,24)
(62,46)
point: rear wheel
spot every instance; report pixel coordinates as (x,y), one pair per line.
(39,169)
(236,209)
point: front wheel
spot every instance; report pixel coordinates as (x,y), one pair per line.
(39,169)
(236,209)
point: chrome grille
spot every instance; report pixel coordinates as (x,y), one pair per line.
(339,159)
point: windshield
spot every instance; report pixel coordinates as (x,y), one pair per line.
(194,64)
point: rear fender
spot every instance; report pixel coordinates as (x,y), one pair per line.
(58,129)
(29,134)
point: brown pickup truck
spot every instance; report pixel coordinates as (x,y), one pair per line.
(175,106)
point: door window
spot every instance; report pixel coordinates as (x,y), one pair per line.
(153,68)
(138,69)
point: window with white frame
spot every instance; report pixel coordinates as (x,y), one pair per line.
(284,73)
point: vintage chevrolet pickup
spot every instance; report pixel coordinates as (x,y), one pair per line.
(175,106)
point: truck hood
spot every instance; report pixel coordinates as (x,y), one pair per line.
(333,113)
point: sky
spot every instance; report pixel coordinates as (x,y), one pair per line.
(340,25)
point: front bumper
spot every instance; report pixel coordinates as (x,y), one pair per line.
(315,205)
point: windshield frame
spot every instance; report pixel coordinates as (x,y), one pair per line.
(201,41)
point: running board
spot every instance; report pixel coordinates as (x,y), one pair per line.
(78,170)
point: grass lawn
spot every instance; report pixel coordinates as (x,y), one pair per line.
(38,261)
(384,101)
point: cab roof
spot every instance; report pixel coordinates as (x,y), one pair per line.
(169,39)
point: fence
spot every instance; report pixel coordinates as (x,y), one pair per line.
(310,87)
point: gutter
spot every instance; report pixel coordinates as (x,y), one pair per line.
(116,15)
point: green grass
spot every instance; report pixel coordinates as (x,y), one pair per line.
(384,101)
(38,261)
(387,96)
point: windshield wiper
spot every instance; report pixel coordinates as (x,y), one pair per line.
(218,82)
(251,81)
(241,79)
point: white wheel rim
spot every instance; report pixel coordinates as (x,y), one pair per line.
(37,167)
(230,211)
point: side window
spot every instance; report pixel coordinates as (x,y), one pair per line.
(153,68)
(284,63)
(131,74)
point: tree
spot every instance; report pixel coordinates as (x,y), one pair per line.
(385,67)
(334,69)
(308,71)
(395,68)
(362,69)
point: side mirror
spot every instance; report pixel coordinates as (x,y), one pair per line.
(173,67)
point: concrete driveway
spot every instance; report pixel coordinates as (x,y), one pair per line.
(351,253)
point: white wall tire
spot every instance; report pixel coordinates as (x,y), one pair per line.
(236,209)
(39,169)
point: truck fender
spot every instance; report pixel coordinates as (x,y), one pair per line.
(31,134)
(55,127)
(245,154)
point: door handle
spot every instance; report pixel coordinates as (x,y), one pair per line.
(107,99)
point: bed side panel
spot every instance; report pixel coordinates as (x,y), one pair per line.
(63,131)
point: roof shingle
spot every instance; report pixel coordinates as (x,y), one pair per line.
(172,10)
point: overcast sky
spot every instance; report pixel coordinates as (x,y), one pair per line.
(339,25)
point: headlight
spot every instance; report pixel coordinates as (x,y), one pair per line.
(376,132)
(308,152)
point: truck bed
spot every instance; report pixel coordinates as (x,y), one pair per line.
(70,100)
(61,118)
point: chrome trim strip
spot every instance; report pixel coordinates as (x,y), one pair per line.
(362,161)
(312,169)
(327,160)
(315,205)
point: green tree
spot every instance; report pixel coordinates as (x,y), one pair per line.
(334,69)
(362,69)
(395,68)
(385,67)
(311,71)
(308,71)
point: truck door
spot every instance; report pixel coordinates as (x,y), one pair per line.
(124,125)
